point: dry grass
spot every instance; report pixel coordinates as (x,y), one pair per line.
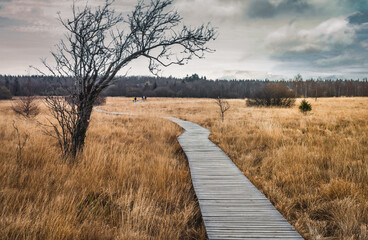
(313,168)
(132,182)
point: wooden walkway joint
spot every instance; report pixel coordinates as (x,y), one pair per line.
(232,207)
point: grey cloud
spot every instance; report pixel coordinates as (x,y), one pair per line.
(300,47)
(247,74)
(337,44)
(2,2)
(6,22)
(261,9)
(354,5)
(298,6)
(266,9)
(358,18)
(345,59)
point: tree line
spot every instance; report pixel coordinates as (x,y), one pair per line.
(190,86)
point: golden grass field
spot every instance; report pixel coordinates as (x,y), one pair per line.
(132,181)
(313,168)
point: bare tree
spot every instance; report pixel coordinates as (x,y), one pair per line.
(99,42)
(27,105)
(223,106)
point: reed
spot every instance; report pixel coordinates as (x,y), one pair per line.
(131,182)
(313,167)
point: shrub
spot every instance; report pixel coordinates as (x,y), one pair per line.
(305,106)
(26,107)
(223,106)
(5,93)
(272,94)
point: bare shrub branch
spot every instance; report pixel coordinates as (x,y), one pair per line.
(26,107)
(272,94)
(223,107)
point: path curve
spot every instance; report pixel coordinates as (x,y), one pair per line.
(231,206)
(97,108)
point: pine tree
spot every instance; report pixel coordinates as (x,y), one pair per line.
(305,106)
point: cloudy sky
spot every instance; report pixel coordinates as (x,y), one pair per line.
(257,38)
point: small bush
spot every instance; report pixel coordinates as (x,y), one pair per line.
(223,106)
(305,106)
(26,107)
(5,93)
(273,94)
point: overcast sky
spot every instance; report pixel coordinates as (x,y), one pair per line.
(257,38)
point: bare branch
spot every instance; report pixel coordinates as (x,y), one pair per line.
(223,106)
(100,42)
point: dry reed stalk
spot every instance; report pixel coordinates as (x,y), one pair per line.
(313,168)
(132,182)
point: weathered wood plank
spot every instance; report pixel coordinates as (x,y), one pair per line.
(232,207)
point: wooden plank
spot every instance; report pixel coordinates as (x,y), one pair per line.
(231,206)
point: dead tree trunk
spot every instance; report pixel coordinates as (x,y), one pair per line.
(80,131)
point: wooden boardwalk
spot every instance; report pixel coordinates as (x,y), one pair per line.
(232,207)
(97,108)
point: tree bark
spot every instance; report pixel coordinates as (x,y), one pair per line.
(78,138)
